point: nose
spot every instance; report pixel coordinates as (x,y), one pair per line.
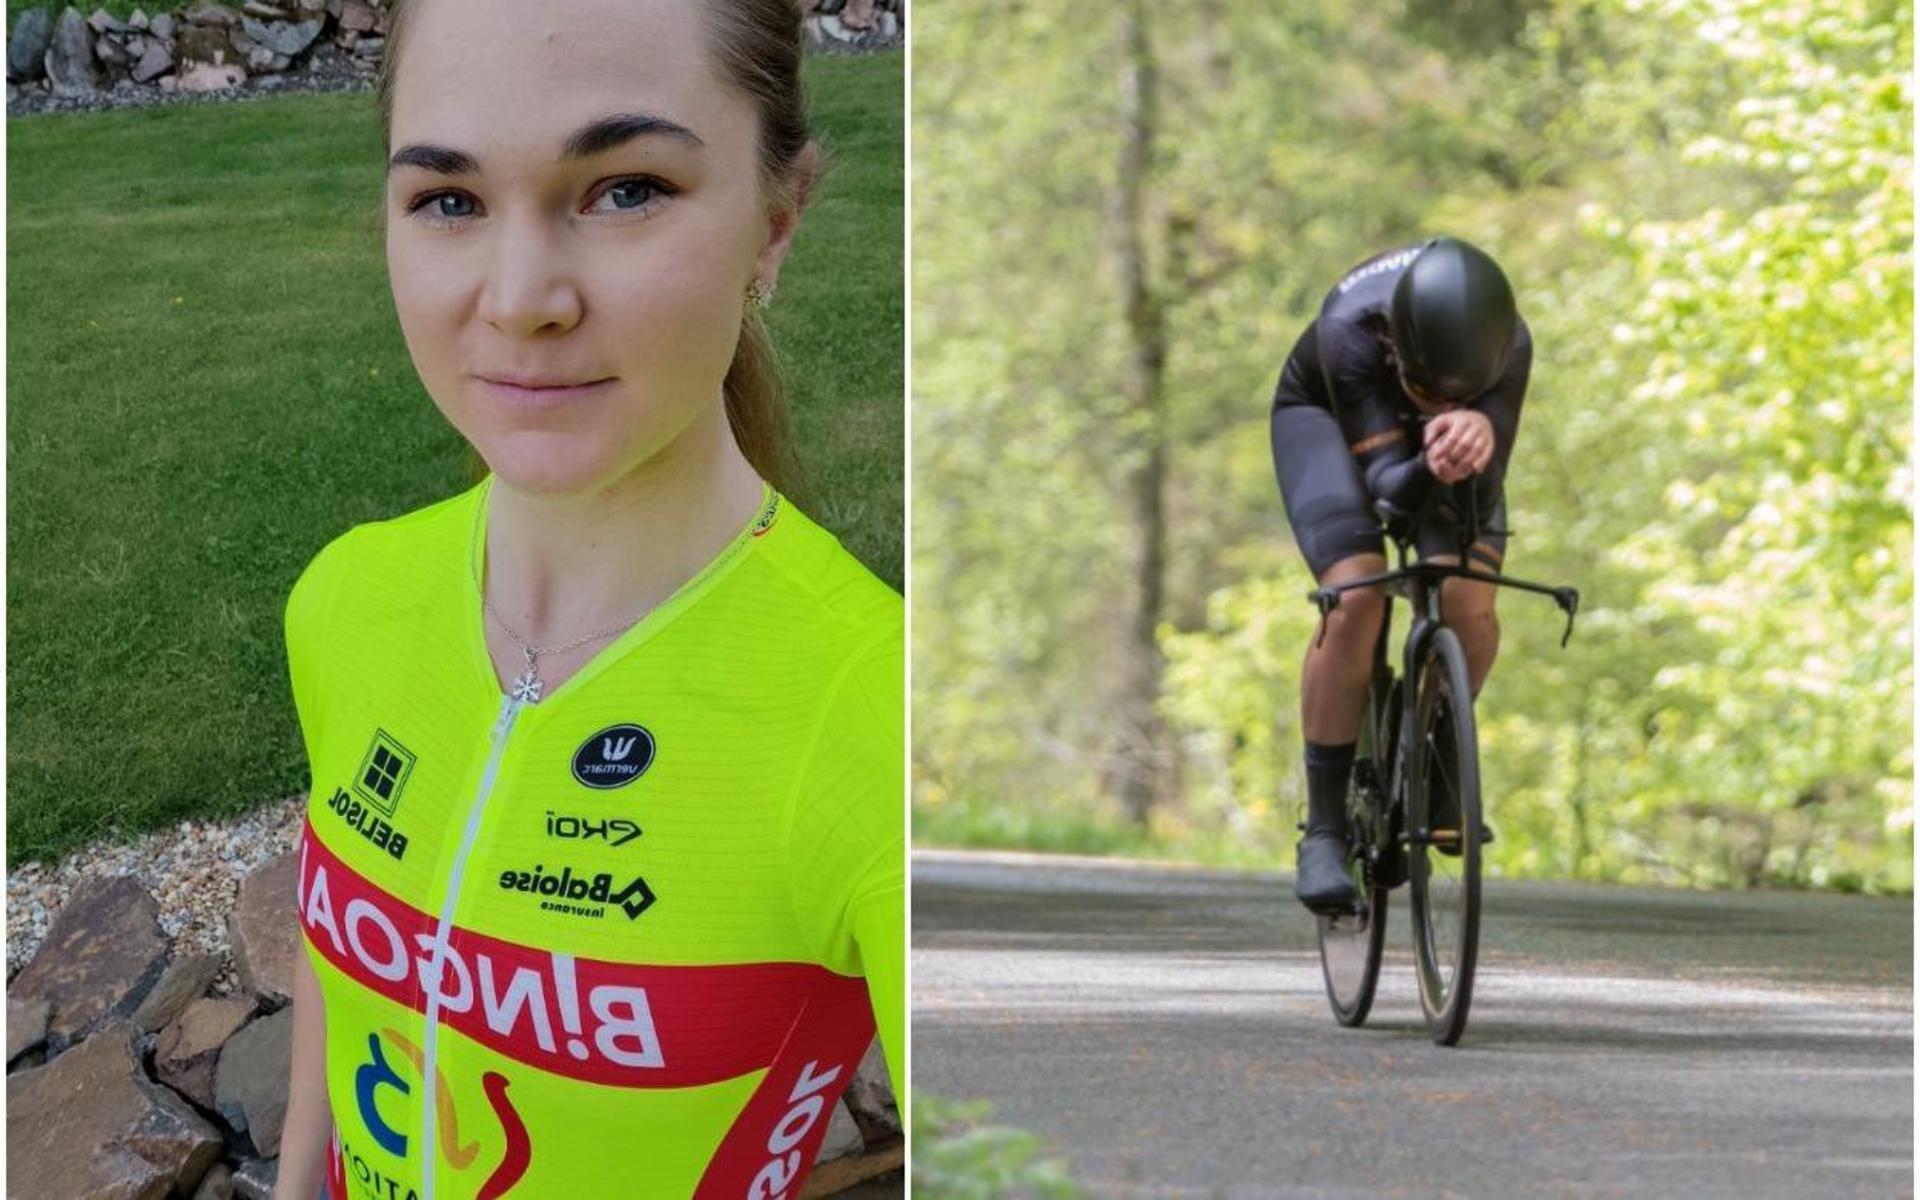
(529,283)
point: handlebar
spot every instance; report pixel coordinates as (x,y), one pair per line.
(1326,599)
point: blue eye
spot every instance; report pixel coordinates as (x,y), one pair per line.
(636,192)
(641,193)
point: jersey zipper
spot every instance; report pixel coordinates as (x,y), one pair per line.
(502,726)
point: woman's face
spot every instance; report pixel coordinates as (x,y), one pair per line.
(573,197)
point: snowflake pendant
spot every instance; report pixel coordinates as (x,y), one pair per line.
(527,687)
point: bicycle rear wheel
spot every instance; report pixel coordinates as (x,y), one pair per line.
(1443,799)
(1351,943)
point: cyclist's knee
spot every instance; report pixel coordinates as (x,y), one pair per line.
(1359,614)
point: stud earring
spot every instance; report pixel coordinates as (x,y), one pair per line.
(760,293)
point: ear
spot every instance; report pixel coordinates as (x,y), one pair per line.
(784,219)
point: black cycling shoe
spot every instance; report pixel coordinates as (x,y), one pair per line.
(1320,876)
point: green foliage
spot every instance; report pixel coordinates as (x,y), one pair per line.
(958,1157)
(1706,209)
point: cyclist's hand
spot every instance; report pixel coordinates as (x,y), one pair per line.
(1459,444)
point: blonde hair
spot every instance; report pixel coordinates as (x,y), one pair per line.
(757,45)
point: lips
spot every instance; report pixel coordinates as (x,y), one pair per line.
(539,382)
(539,397)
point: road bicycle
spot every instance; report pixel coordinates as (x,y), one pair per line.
(1414,808)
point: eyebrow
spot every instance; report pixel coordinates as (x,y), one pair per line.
(595,137)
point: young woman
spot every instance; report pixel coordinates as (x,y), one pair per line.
(601,883)
(1431,331)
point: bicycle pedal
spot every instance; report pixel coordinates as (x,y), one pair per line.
(1447,841)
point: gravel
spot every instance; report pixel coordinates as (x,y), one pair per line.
(193,870)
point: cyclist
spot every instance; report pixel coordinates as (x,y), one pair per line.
(1411,375)
(602,882)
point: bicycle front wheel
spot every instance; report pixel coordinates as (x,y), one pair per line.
(1444,822)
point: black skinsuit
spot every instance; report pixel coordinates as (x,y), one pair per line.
(1344,431)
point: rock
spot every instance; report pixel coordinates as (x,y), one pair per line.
(26,1025)
(209,13)
(87,1124)
(843,1136)
(369,47)
(255,1178)
(103,21)
(27,46)
(163,26)
(69,57)
(264,930)
(870,1094)
(354,15)
(186,1051)
(110,52)
(281,37)
(250,1084)
(209,78)
(138,19)
(216,1184)
(101,956)
(186,979)
(857,15)
(889,26)
(157,61)
(207,44)
(259,8)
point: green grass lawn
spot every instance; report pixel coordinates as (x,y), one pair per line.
(200,341)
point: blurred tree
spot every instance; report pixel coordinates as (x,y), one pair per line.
(1706,208)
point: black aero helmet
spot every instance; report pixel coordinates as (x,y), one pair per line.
(1453,320)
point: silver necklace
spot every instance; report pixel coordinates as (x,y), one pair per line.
(529,685)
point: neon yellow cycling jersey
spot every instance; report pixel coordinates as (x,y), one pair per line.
(652,894)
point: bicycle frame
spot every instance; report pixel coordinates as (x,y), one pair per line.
(1420,585)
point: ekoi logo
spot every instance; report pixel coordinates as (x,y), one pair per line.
(378,1073)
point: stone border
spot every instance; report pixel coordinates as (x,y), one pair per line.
(216,52)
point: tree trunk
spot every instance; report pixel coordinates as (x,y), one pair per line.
(1143,757)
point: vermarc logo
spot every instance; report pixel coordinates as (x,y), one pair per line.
(613,757)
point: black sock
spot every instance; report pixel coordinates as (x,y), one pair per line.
(1329,770)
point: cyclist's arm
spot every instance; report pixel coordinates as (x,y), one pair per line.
(848,839)
(1394,468)
(309,1122)
(1501,405)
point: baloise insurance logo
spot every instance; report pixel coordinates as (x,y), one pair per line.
(614,757)
(579,895)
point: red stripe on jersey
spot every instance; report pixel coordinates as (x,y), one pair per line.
(771,1145)
(623,1024)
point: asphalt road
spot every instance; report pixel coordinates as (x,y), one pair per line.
(1166,1031)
